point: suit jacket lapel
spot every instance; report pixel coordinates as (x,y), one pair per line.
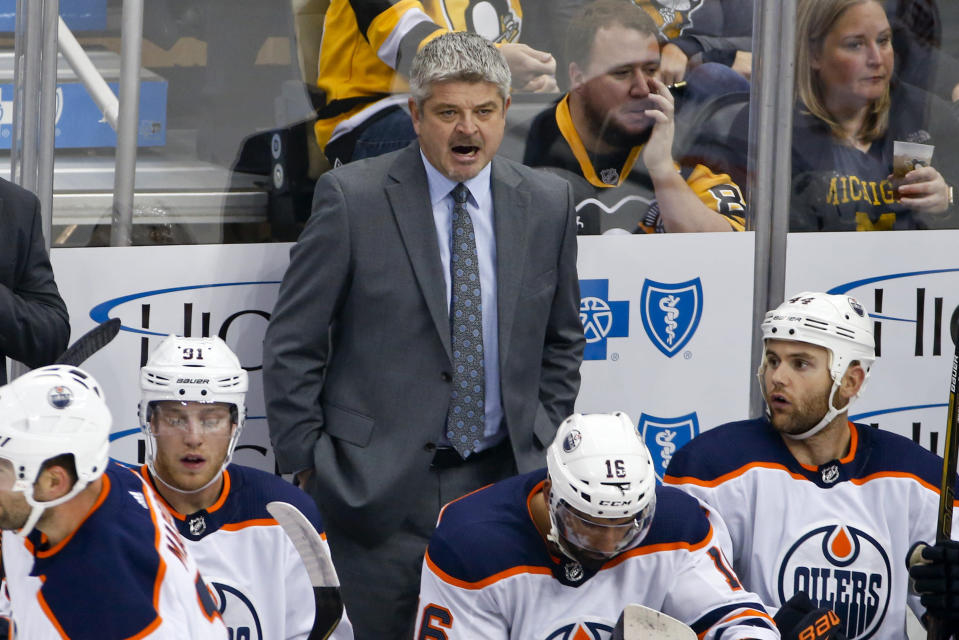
(510,213)
(409,198)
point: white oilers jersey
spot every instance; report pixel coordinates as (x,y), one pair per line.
(839,532)
(124,573)
(262,589)
(488,573)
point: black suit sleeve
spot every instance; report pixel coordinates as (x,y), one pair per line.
(296,347)
(563,348)
(34,325)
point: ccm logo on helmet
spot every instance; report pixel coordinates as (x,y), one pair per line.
(193,381)
(615,503)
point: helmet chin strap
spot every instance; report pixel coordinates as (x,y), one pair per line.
(37,508)
(826,419)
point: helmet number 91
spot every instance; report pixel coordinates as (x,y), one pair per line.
(190,353)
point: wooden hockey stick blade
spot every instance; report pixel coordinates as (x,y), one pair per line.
(319,566)
(89,343)
(642,623)
(934,628)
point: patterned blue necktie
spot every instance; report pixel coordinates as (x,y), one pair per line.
(466,416)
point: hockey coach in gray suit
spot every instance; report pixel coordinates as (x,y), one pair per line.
(426,340)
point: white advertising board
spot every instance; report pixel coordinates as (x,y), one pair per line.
(225,290)
(667,319)
(909,283)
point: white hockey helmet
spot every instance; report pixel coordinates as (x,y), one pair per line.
(599,467)
(839,324)
(192,370)
(46,413)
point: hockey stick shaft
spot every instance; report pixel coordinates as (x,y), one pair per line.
(642,623)
(319,566)
(947,487)
(90,342)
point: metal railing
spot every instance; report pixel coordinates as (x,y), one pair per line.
(40,32)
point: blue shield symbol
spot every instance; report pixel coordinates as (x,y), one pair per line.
(663,436)
(671,313)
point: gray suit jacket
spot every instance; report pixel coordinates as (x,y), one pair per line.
(34,326)
(357,354)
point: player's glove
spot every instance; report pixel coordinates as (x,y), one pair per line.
(934,575)
(800,619)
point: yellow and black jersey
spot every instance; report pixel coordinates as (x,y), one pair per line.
(671,16)
(616,192)
(366,42)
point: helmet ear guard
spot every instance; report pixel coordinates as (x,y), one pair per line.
(46,413)
(837,323)
(192,370)
(599,468)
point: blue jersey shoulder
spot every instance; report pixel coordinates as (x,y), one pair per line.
(251,490)
(101,583)
(728,447)
(489,532)
(890,452)
(679,519)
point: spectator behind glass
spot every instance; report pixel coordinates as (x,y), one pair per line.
(612,135)
(368,46)
(849,112)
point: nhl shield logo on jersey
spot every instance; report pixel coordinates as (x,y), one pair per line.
(671,313)
(663,436)
(580,629)
(238,612)
(60,397)
(842,568)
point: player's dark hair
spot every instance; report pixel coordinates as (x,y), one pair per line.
(599,15)
(64,461)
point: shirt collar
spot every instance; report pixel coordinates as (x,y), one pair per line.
(440,186)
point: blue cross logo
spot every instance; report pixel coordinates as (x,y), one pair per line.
(601,317)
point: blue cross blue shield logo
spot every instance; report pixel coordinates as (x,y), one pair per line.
(663,436)
(671,313)
(601,317)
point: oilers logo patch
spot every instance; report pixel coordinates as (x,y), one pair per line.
(671,313)
(663,436)
(238,612)
(842,568)
(572,440)
(580,630)
(60,397)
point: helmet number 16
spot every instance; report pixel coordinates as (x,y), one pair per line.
(615,469)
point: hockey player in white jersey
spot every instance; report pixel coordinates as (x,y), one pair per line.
(557,554)
(815,505)
(192,409)
(94,556)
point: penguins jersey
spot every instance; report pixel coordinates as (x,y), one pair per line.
(488,573)
(123,573)
(617,192)
(262,589)
(839,532)
(365,44)
(670,16)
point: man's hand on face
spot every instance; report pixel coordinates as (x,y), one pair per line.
(658,152)
(533,71)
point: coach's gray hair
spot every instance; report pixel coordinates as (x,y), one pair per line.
(457,56)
